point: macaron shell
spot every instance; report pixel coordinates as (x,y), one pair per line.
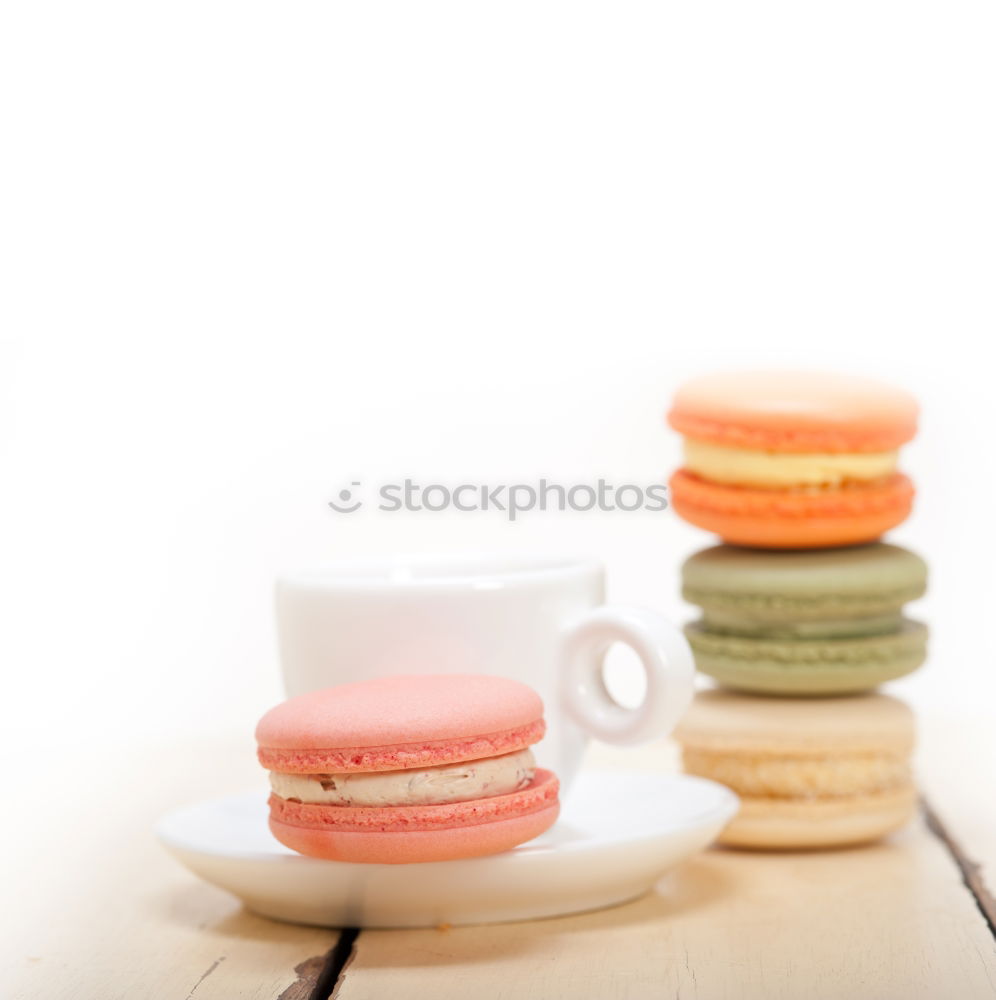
(758,587)
(786,824)
(795,412)
(394,835)
(401,757)
(398,722)
(790,519)
(416,846)
(728,722)
(808,666)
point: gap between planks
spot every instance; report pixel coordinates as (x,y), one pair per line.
(329,980)
(971,872)
(318,977)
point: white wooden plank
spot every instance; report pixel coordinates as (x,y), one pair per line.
(96,909)
(892,921)
(957,767)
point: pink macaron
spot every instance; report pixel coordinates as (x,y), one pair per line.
(406,769)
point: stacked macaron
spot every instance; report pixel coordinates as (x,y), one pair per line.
(809,773)
(792,460)
(806,623)
(408,769)
(797,473)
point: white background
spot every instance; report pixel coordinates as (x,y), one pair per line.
(255,252)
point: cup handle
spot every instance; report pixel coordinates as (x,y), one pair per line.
(667,664)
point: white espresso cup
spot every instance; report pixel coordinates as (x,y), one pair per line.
(540,621)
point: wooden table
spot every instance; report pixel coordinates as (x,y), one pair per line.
(96,909)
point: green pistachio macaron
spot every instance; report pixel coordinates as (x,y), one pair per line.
(805,623)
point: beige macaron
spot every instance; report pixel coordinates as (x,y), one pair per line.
(810,772)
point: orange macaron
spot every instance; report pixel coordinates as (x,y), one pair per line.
(789,460)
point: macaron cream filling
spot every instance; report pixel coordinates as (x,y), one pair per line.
(461,782)
(830,628)
(784,470)
(802,777)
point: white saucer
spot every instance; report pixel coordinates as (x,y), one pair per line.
(618,832)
